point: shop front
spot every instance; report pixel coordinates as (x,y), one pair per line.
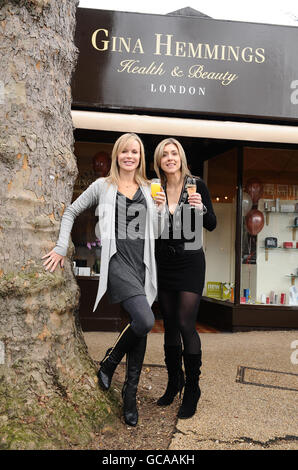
(228,91)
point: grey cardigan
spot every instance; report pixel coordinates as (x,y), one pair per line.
(103,194)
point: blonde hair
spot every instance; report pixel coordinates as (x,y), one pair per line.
(140,175)
(159,153)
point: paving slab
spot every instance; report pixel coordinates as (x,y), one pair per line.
(249,385)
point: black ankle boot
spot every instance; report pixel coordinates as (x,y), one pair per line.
(173,360)
(113,357)
(134,362)
(192,392)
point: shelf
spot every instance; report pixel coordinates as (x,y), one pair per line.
(293,277)
(278,248)
(267,213)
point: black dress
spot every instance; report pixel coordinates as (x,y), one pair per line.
(178,268)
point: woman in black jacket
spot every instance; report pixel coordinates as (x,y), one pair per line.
(181,272)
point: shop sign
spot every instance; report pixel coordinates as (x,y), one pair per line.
(185,65)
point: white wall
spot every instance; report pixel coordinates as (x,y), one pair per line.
(272,274)
(219,245)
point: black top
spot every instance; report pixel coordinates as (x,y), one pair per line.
(184,213)
(126,269)
(178,267)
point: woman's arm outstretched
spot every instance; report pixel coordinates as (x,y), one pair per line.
(87,199)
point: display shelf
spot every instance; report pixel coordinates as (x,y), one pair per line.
(278,248)
(268,212)
(293,277)
(294,228)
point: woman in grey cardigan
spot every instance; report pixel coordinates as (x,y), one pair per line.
(129,221)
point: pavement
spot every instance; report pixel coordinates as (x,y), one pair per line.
(249,385)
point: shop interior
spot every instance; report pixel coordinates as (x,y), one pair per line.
(252,256)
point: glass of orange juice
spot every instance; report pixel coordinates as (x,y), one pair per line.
(155,187)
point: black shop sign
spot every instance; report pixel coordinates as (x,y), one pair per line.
(185,65)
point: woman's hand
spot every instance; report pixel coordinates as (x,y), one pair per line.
(160,199)
(53,259)
(195,200)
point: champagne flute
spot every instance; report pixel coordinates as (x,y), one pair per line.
(191,186)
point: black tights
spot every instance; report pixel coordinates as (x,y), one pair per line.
(179,311)
(141,315)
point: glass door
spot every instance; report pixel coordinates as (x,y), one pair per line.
(220,174)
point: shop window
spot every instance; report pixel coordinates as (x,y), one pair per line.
(220,174)
(269,269)
(93,161)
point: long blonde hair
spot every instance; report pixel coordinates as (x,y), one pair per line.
(140,175)
(159,153)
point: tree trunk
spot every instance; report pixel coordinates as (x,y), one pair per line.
(49,398)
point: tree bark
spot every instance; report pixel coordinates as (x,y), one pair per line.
(49,398)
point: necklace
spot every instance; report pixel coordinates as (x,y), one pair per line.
(128,190)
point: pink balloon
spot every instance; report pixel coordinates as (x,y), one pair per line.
(254,221)
(246,203)
(254,188)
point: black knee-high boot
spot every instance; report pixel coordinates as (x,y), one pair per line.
(134,362)
(173,360)
(192,392)
(125,342)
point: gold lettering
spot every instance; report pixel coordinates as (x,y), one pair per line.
(198,71)
(94,38)
(210,53)
(223,49)
(249,57)
(138,45)
(259,54)
(114,44)
(118,44)
(194,53)
(132,66)
(125,44)
(180,52)
(234,53)
(164,45)
(159,43)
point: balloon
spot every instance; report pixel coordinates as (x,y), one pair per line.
(101,163)
(246,203)
(254,221)
(254,188)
